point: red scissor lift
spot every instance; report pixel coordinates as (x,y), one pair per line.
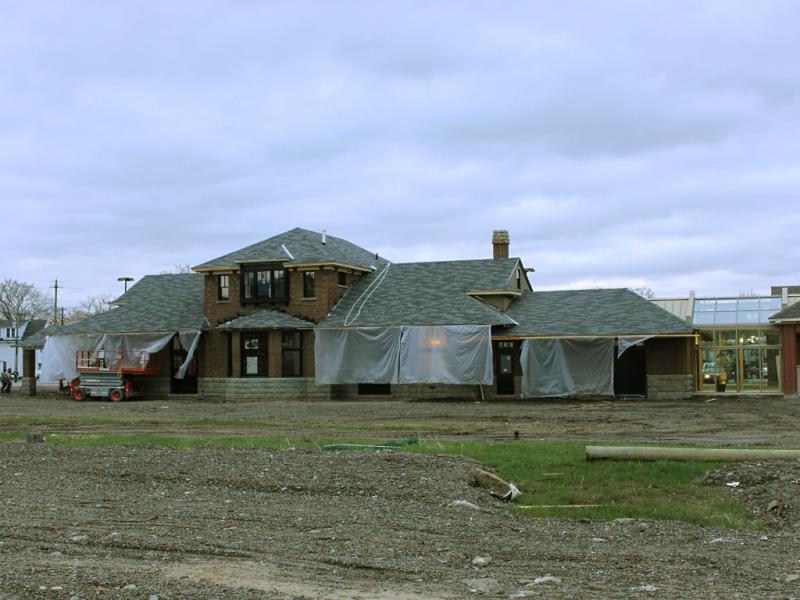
(105,374)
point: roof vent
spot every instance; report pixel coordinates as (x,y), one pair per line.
(324,236)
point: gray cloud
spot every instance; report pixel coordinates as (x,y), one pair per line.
(621,143)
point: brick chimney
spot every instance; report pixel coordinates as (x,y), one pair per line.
(500,243)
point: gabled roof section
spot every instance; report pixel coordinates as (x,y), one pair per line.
(156,304)
(38,339)
(425,293)
(33,327)
(298,246)
(610,312)
(789,314)
(266,319)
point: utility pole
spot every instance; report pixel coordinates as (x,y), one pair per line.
(55,304)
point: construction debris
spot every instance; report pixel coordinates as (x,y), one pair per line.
(497,487)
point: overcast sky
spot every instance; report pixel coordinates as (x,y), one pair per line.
(621,144)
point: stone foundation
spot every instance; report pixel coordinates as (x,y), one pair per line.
(261,389)
(670,387)
(155,388)
(417,391)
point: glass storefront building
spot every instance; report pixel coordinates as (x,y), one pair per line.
(738,349)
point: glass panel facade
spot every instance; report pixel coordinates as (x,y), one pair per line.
(705,305)
(735,311)
(744,360)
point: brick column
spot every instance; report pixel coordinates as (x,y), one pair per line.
(789,336)
(275,354)
(29,369)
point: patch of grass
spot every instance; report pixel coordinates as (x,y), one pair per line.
(555,474)
(548,473)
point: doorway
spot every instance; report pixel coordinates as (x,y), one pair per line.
(630,372)
(187,385)
(505,367)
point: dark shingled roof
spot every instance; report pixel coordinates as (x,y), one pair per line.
(590,312)
(790,313)
(37,339)
(34,326)
(157,303)
(266,319)
(305,247)
(425,293)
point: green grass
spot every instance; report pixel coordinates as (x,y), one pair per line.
(548,473)
(551,473)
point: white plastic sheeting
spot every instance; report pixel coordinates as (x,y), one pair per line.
(368,355)
(188,340)
(624,343)
(58,355)
(457,354)
(59,352)
(566,367)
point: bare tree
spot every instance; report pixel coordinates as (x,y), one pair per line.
(178,269)
(93,305)
(22,301)
(645,292)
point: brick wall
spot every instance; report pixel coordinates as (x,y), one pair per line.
(327,293)
(308,354)
(274,354)
(213,354)
(220,311)
(670,368)
(791,358)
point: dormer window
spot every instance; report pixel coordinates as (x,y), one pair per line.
(519,280)
(264,283)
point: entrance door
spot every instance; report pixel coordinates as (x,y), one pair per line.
(504,368)
(630,372)
(187,385)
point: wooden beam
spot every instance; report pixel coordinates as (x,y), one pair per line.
(660,453)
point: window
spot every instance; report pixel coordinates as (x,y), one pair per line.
(254,355)
(342,278)
(224,287)
(309,284)
(519,280)
(291,343)
(263,283)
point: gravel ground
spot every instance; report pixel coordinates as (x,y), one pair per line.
(144,522)
(767,421)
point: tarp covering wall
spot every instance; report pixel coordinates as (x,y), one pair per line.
(367,355)
(457,354)
(59,352)
(566,367)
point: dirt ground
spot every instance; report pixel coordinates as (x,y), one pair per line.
(147,522)
(771,421)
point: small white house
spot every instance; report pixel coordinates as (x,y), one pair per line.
(12,334)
